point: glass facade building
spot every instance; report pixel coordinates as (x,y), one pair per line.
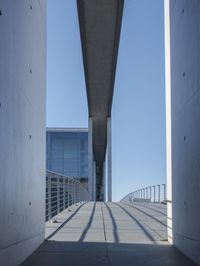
(67,152)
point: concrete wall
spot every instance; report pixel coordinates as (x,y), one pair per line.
(22,128)
(184,72)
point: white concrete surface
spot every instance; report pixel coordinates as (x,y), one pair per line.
(183,83)
(168,121)
(22,128)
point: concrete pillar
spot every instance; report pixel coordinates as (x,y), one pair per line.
(182,57)
(109,158)
(91,168)
(22,128)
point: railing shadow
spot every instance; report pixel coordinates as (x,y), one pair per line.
(65,222)
(151,238)
(115,231)
(84,233)
(147,214)
(150,208)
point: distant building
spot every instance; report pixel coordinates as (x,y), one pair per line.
(67,152)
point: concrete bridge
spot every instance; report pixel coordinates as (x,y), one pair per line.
(108,234)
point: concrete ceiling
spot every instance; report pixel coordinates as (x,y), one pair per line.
(100,25)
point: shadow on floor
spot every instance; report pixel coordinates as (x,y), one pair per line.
(137,222)
(145,213)
(57,253)
(84,233)
(114,224)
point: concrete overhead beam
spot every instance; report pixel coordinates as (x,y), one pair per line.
(100,26)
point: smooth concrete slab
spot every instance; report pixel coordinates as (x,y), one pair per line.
(109,234)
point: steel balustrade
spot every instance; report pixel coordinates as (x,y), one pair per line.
(62,192)
(145,194)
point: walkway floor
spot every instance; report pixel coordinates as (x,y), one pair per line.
(108,234)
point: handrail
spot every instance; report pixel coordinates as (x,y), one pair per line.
(62,192)
(145,194)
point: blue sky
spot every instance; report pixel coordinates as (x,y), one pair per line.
(138,113)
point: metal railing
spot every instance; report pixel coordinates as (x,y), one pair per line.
(156,193)
(62,192)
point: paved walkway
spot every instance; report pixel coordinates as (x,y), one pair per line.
(108,234)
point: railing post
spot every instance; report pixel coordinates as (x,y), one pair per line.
(78,187)
(80,193)
(159,193)
(64,203)
(78,198)
(73,192)
(49,197)
(154,193)
(76,192)
(147,193)
(68,188)
(150,193)
(58,195)
(164,187)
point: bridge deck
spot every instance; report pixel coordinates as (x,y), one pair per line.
(108,234)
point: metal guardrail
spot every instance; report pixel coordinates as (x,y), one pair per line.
(62,192)
(156,193)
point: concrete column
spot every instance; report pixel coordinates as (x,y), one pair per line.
(109,158)
(182,50)
(90,161)
(22,128)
